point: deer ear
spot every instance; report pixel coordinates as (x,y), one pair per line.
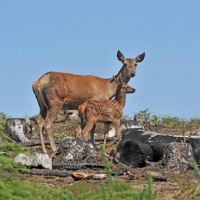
(140,58)
(118,80)
(113,79)
(120,56)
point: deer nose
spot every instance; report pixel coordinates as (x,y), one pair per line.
(133,74)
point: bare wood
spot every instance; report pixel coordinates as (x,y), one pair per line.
(108,111)
(81,175)
(56,90)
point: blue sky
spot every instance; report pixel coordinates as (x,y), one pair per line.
(83,37)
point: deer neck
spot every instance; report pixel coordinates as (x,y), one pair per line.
(113,86)
(123,75)
(121,98)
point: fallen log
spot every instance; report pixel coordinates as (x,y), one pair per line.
(75,175)
(157,175)
(138,146)
(81,175)
(76,166)
(45,172)
(47,142)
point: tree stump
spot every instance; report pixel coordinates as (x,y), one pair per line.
(17,128)
(177,157)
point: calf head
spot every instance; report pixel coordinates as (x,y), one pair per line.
(126,88)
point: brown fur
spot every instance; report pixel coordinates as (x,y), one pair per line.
(56,90)
(104,111)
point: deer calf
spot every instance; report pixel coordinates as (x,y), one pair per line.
(108,111)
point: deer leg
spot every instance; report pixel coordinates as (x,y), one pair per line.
(92,133)
(77,132)
(83,123)
(50,118)
(106,128)
(41,124)
(79,129)
(40,121)
(117,129)
(87,129)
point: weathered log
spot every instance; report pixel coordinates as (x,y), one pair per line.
(46,172)
(47,142)
(137,146)
(81,175)
(157,175)
(75,175)
(76,166)
(50,172)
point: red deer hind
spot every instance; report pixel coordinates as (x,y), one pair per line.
(56,90)
(107,111)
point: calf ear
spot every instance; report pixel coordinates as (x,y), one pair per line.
(114,79)
(117,80)
(120,56)
(140,57)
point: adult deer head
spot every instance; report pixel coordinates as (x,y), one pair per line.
(129,65)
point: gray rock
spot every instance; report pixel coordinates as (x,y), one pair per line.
(34,160)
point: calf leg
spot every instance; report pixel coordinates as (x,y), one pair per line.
(78,132)
(106,128)
(117,129)
(92,133)
(79,129)
(87,129)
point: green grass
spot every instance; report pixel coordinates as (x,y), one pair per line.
(167,119)
(2,123)
(12,189)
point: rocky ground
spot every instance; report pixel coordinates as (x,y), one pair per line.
(178,185)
